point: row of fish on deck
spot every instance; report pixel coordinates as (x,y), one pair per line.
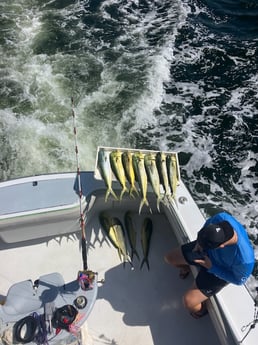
(117,235)
(155,168)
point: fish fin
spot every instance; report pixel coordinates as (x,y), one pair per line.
(145,260)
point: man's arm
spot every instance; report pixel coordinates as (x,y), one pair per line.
(238,276)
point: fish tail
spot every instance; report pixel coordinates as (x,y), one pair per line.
(173,199)
(124,262)
(114,194)
(145,260)
(131,192)
(134,189)
(126,259)
(144,201)
(130,262)
(137,255)
(141,205)
(107,194)
(134,251)
(123,192)
(121,256)
(158,203)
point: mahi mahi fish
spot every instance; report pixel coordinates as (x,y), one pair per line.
(153,175)
(118,170)
(131,233)
(172,173)
(139,168)
(127,160)
(145,240)
(116,234)
(162,168)
(106,172)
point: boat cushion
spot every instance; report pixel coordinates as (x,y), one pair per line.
(21,298)
(50,286)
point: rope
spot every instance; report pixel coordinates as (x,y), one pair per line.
(82,221)
(251,325)
(41,336)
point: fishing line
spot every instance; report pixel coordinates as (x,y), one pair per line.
(82,220)
(253,323)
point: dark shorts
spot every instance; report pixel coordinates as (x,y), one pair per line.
(207,283)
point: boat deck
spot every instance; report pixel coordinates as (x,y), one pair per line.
(133,305)
(141,306)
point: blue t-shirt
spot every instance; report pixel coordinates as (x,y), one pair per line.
(233,263)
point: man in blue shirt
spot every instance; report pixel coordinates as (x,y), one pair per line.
(222,252)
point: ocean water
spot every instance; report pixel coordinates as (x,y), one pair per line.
(166,75)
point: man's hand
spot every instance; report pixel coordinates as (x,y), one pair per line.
(206,262)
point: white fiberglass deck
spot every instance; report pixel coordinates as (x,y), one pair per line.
(140,306)
(133,306)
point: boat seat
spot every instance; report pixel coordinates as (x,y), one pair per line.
(50,286)
(54,279)
(21,299)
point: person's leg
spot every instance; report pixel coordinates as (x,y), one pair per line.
(205,286)
(176,259)
(194,299)
(181,258)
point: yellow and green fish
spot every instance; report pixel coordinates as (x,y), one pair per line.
(172,173)
(116,234)
(139,169)
(131,233)
(106,172)
(118,170)
(153,175)
(127,160)
(162,169)
(146,235)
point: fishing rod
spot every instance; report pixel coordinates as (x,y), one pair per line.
(82,220)
(86,276)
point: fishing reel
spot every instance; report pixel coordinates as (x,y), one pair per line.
(86,279)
